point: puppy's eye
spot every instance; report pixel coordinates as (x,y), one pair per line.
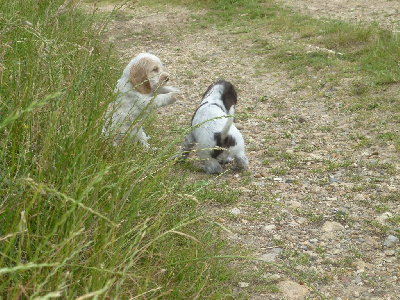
(155,69)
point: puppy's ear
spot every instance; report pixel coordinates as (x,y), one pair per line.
(208,89)
(229,96)
(138,78)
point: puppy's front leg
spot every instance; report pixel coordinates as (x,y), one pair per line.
(212,166)
(241,161)
(167,89)
(186,147)
(164,99)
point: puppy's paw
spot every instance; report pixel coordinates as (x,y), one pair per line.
(226,161)
(174,93)
(178,158)
(175,90)
(241,163)
(212,168)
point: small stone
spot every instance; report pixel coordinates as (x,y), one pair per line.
(294,204)
(391,241)
(301,119)
(301,220)
(270,227)
(384,217)
(272,277)
(239,126)
(390,253)
(271,256)
(369,240)
(292,290)
(243,284)
(245,190)
(289,151)
(333,179)
(359,197)
(263,174)
(357,280)
(235,211)
(332,226)
(375,153)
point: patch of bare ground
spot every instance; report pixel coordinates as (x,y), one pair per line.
(384,12)
(319,195)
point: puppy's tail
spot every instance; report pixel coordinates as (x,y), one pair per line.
(228,124)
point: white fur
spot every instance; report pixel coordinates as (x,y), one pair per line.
(210,118)
(126,114)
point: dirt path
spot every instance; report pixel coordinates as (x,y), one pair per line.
(384,12)
(310,198)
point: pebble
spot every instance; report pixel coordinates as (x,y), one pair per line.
(333,179)
(384,217)
(330,226)
(239,126)
(272,277)
(235,211)
(301,119)
(271,255)
(290,151)
(390,253)
(301,220)
(294,204)
(359,197)
(357,280)
(270,227)
(292,290)
(391,241)
(369,240)
(243,284)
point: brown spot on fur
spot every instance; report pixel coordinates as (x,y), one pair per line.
(138,76)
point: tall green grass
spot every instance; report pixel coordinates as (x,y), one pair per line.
(80,218)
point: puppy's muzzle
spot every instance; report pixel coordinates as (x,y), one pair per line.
(164,78)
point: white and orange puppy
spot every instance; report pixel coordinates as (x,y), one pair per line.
(141,88)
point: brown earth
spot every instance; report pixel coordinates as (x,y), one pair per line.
(384,12)
(313,199)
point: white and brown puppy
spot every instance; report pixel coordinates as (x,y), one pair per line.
(213,130)
(141,88)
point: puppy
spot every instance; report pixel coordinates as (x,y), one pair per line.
(213,130)
(141,88)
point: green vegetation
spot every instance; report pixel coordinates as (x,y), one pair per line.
(79,217)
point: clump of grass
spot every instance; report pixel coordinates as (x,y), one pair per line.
(330,43)
(80,218)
